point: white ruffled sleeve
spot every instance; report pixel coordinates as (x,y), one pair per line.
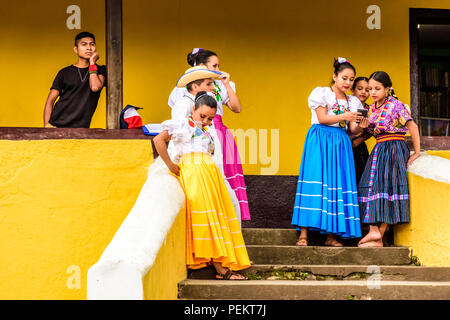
(355,104)
(181,109)
(175,95)
(180,130)
(233,86)
(318,97)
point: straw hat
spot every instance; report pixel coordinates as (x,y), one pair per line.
(196,73)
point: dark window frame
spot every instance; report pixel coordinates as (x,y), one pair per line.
(420,16)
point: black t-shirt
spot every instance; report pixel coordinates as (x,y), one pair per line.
(77,102)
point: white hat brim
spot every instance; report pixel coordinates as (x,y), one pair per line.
(196,75)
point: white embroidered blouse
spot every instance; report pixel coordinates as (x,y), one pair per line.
(188,137)
(325,97)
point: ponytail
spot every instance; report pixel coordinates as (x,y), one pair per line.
(199,56)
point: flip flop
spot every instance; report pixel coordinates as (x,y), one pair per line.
(229,274)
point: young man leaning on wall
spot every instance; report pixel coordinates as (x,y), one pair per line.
(78,87)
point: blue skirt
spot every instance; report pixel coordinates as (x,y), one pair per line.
(326,198)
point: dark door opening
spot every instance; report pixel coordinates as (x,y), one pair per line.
(430,70)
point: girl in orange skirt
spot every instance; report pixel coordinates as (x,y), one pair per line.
(213,231)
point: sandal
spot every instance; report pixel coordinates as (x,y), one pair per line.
(302,242)
(227,276)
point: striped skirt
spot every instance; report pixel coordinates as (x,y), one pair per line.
(383,193)
(212,228)
(326,197)
(232,166)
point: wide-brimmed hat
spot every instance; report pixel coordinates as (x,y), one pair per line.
(196,73)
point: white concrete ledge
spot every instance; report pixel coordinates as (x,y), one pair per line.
(431,167)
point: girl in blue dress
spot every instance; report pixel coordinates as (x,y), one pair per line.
(326,198)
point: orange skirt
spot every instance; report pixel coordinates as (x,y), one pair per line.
(212,228)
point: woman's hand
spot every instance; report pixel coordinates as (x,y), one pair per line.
(350,116)
(363,123)
(411,159)
(175,169)
(225,77)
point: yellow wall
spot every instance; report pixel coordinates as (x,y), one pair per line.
(61,202)
(440,153)
(276,54)
(427,234)
(36,44)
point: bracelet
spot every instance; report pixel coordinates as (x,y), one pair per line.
(92,67)
(95,71)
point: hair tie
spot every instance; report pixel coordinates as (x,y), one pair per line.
(196,50)
(342,60)
(199,95)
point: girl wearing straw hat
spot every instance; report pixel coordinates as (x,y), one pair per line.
(326,198)
(194,80)
(213,231)
(225,93)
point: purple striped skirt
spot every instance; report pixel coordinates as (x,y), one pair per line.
(383,193)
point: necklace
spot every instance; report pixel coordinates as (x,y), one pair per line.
(81,78)
(382,117)
(380,104)
(339,109)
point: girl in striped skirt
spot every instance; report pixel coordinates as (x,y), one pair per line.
(383,190)
(213,233)
(326,198)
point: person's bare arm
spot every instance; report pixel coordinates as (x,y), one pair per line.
(233,103)
(328,119)
(358,140)
(161,141)
(415,137)
(96,81)
(52,96)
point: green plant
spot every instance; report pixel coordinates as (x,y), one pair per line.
(415,261)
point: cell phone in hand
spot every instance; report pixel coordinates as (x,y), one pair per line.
(363,112)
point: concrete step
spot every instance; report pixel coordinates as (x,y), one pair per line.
(255,236)
(333,272)
(294,255)
(348,272)
(313,290)
(288,237)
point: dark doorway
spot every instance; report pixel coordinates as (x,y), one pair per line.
(430,70)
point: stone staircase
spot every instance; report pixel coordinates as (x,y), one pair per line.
(283,271)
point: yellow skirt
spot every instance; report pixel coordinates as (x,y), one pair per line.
(212,228)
